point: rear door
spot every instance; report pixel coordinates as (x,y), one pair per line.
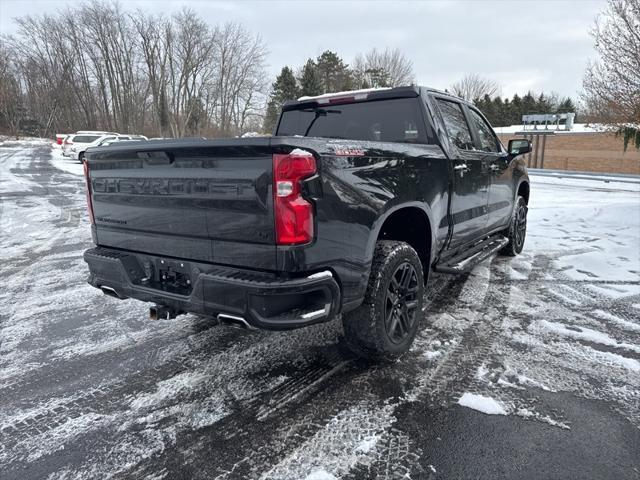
(470,176)
(501,195)
(201,200)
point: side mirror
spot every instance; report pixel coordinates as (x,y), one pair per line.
(519,146)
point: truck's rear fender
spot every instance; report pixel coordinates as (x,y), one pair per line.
(361,185)
(408,210)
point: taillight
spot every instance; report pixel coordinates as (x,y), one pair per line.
(85,165)
(293,214)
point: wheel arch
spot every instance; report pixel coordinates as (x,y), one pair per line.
(420,234)
(524,190)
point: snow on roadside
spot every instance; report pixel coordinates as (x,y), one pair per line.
(594,224)
(65,164)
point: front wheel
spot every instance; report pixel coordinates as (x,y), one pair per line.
(517,230)
(384,326)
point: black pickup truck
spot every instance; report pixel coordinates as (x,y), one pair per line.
(345,210)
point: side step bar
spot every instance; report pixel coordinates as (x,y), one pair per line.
(467,260)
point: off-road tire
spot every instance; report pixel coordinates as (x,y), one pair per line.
(366,328)
(517,231)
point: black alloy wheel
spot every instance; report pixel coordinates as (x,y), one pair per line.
(401,303)
(520,226)
(384,326)
(517,232)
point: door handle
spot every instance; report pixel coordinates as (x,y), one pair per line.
(461,168)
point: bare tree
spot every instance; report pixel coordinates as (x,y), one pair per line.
(612,83)
(473,87)
(100,67)
(388,68)
(153,35)
(45,61)
(11,107)
(240,79)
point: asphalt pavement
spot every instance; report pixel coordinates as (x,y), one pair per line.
(548,345)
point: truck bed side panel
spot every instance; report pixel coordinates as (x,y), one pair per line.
(357,192)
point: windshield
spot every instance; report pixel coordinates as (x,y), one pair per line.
(396,120)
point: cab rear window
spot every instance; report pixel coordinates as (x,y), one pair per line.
(394,120)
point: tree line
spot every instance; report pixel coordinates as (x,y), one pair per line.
(329,73)
(503,112)
(99,67)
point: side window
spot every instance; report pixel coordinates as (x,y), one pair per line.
(456,125)
(488,140)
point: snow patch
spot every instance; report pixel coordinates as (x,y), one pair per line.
(367,444)
(527,413)
(320,475)
(620,321)
(299,151)
(587,334)
(482,404)
(431,354)
(346,92)
(628,363)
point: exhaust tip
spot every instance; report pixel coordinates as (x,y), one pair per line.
(109,291)
(234,321)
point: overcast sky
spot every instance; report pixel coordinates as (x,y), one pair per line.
(538,45)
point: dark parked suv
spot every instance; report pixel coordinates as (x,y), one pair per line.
(345,210)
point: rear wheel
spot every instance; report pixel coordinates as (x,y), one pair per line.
(384,326)
(518,230)
(81,157)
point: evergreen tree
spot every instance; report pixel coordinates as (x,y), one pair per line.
(529,104)
(499,116)
(507,112)
(310,82)
(334,73)
(544,104)
(485,104)
(566,106)
(283,89)
(516,110)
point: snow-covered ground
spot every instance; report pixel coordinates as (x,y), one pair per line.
(542,351)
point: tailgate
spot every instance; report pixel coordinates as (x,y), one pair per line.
(202,200)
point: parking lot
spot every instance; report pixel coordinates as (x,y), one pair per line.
(528,367)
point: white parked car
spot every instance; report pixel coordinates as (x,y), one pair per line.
(81,142)
(122,138)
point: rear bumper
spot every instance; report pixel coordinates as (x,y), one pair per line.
(263,300)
